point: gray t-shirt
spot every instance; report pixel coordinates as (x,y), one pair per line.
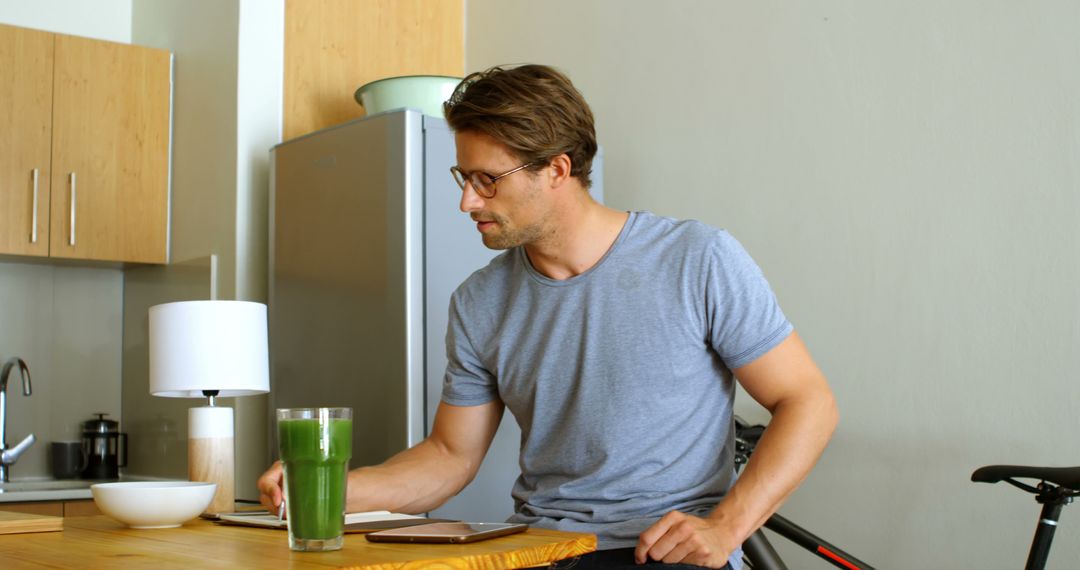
(620,377)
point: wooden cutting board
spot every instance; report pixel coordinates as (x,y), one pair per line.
(12,523)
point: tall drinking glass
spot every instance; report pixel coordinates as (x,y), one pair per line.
(315,445)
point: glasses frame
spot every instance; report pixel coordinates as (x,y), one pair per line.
(462,178)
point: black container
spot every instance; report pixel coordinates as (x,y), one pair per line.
(106,448)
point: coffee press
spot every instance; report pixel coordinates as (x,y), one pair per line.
(105,446)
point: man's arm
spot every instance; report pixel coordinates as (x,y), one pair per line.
(422,477)
(785,381)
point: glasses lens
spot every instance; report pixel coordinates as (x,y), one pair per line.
(483,184)
(458,177)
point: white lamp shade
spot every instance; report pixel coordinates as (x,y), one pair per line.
(208,345)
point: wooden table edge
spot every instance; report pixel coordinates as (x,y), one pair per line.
(541,555)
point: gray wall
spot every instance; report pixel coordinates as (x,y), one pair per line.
(907,176)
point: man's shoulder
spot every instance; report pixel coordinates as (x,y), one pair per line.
(677,233)
(489,277)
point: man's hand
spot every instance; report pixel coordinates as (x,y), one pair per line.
(679,537)
(270,493)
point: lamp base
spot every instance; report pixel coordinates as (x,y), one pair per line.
(210,454)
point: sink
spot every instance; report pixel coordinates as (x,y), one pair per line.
(44,485)
(59,489)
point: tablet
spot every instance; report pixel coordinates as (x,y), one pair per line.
(450,532)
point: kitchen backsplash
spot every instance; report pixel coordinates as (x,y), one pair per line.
(66,322)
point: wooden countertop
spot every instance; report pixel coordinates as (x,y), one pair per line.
(100,542)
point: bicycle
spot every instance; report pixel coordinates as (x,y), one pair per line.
(1056,488)
(758,552)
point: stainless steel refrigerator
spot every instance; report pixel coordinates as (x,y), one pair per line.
(366,246)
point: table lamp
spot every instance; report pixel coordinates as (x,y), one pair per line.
(210,349)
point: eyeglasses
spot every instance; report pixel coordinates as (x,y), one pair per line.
(482,182)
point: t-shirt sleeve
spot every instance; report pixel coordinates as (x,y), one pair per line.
(467,382)
(744,317)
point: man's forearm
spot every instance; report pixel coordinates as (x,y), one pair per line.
(431,472)
(797,435)
(416,480)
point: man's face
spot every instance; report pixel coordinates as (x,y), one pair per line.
(517,214)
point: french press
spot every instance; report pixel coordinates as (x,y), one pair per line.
(106,448)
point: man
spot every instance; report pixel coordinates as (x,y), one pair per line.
(613,338)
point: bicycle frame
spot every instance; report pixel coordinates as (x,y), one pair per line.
(762,556)
(1052,500)
(757,549)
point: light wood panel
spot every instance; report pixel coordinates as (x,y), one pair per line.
(100,542)
(15,523)
(332,47)
(211,460)
(111,129)
(26,63)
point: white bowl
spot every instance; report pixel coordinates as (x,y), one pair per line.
(153,504)
(424,92)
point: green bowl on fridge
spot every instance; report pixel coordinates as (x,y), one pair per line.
(424,92)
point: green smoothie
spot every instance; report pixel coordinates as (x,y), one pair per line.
(315,475)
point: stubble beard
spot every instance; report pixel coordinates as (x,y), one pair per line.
(506,237)
(510,238)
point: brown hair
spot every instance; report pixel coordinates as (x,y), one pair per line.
(532,109)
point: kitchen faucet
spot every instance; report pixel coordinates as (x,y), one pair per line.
(10,456)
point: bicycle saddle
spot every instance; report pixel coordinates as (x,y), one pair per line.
(1067,477)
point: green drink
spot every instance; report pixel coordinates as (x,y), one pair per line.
(315,445)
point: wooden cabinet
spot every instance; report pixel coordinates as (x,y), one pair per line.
(26,67)
(103,111)
(332,47)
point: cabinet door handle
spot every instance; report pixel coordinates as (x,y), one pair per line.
(71,239)
(33,223)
